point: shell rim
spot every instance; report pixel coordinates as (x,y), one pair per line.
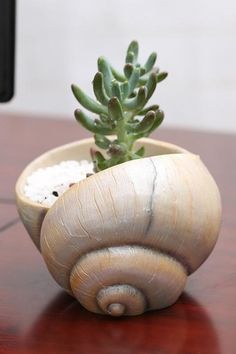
(20,197)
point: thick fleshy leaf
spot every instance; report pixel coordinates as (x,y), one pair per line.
(117,149)
(117,75)
(100,124)
(88,102)
(129,58)
(161,76)
(101,141)
(150,62)
(100,161)
(133,48)
(115,110)
(115,89)
(90,124)
(128,69)
(99,89)
(136,103)
(124,87)
(105,68)
(150,108)
(133,80)
(142,71)
(159,117)
(140,152)
(144,125)
(151,85)
(144,78)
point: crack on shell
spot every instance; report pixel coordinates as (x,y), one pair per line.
(150,204)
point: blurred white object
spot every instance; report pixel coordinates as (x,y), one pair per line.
(45,185)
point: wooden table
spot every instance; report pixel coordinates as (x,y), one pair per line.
(36,316)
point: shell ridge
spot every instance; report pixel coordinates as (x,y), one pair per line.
(176,257)
(135,201)
(99,212)
(129,281)
(78,217)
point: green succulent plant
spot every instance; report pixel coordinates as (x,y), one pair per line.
(120,105)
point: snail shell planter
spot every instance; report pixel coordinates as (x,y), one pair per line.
(124,240)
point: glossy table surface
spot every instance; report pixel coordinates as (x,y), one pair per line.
(36,316)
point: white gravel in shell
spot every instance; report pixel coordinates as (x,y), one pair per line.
(45,185)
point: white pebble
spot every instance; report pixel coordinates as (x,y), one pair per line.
(41,184)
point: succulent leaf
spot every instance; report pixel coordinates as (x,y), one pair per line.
(144,125)
(130,57)
(133,80)
(116,149)
(140,152)
(144,78)
(117,75)
(136,103)
(115,109)
(105,68)
(133,48)
(99,89)
(142,71)
(128,69)
(104,118)
(115,89)
(150,62)
(101,141)
(99,161)
(124,87)
(99,124)
(88,102)
(151,85)
(161,76)
(159,116)
(150,108)
(90,124)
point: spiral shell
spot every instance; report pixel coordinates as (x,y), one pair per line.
(123,241)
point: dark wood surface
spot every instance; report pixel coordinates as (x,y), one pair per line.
(36,316)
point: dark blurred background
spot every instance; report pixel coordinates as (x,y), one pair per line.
(7,49)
